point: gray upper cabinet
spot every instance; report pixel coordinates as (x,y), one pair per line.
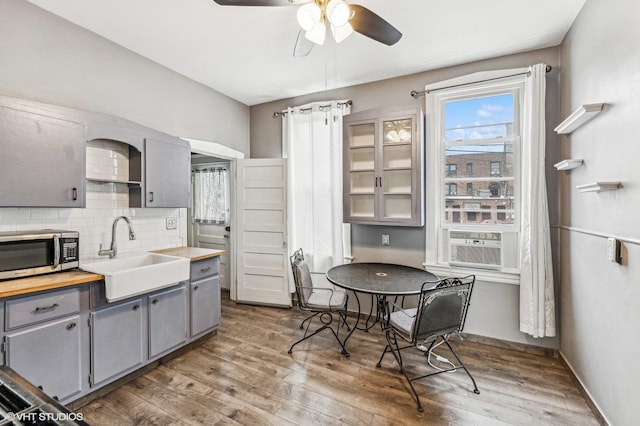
(167,173)
(383,180)
(42,162)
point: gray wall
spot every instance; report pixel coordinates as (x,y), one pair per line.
(48,59)
(494,311)
(600,318)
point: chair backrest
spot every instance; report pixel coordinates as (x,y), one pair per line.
(301,277)
(443,309)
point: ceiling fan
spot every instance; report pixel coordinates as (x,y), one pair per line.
(343,19)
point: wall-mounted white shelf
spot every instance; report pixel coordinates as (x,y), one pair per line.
(599,186)
(578,118)
(569,163)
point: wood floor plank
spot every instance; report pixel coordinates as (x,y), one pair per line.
(243,375)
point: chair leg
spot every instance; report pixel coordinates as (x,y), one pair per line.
(309,318)
(475,386)
(326,326)
(343,315)
(392,341)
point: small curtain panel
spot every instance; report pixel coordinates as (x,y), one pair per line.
(210,196)
(537,301)
(312,144)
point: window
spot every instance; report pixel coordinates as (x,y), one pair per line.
(451,170)
(211,195)
(494,168)
(452,189)
(486,212)
(475,157)
(501,215)
(480,132)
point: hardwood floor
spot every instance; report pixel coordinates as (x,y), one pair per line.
(244,375)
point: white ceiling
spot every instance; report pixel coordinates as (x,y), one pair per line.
(246,52)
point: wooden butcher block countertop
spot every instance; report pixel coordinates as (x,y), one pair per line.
(193,253)
(19,286)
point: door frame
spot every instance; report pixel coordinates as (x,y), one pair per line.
(215,149)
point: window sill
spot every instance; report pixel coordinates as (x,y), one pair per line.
(494,276)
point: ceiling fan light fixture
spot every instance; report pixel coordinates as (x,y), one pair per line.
(317,33)
(340,33)
(308,16)
(338,12)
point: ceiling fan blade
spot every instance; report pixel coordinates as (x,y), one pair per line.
(373,26)
(303,45)
(258,2)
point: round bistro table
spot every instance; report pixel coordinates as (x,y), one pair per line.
(380,280)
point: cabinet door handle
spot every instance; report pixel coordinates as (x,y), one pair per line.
(46,308)
(151,196)
(196,287)
(74,194)
(71,326)
(155,301)
(136,307)
(205,269)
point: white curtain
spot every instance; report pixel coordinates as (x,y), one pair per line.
(210,196)
(537,301)
(312,144)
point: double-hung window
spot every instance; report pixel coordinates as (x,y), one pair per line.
(476,132)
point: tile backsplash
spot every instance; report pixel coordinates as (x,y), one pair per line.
(104,202)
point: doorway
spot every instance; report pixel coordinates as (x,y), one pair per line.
(212,232)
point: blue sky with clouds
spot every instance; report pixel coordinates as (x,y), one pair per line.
(459,115)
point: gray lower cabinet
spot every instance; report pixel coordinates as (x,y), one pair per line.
(205,295)
(205,305)
(167,320)
(117,344)
(49,356)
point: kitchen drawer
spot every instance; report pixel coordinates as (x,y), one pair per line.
(204,268)
(41,307)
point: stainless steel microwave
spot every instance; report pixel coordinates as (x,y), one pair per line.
(27,253)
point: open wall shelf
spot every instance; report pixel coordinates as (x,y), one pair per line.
(599,186)
(568,164)
(578,118)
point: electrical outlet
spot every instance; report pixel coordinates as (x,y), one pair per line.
(385,239)
(172,223)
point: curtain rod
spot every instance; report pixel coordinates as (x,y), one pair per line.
(284,113)
(416,94)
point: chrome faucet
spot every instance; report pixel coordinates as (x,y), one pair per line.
(113,251)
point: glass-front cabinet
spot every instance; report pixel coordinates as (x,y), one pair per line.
(383,167)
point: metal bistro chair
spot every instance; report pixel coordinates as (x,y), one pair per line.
(321,302)
(441,312)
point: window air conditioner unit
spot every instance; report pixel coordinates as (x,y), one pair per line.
(472,248)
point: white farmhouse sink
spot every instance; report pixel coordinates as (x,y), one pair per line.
(137,274)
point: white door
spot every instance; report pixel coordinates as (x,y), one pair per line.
(262,257)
